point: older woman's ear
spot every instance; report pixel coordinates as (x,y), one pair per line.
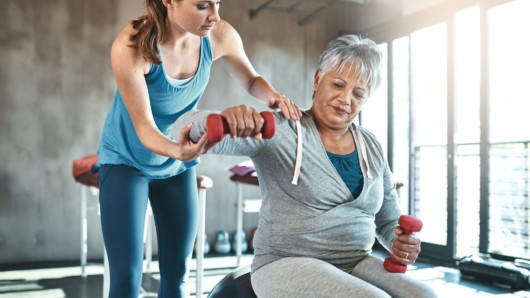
(316,79)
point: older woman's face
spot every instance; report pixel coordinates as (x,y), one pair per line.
(339,97)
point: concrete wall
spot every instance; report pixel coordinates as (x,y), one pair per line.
(57,85)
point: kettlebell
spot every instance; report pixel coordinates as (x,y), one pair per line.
(244,244)
(222,242)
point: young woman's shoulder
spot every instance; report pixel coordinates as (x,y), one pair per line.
(222,28)
(224,38)
(123,39)
(123,51)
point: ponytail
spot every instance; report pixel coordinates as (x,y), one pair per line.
(150,29)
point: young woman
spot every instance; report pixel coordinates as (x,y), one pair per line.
(161,62)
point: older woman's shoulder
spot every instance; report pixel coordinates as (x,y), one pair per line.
(283,123)
(365,132)
(368,136)
(280,117)
(374,147)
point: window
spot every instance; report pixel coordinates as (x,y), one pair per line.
(374,114)
(467,130)
(401,117)
(428,62)
(509,129)
(460,130)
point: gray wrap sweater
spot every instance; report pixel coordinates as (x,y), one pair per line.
(318,217)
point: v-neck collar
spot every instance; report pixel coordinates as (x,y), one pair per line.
(361,154)
(175,82)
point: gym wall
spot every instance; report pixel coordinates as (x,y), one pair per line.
(56,87)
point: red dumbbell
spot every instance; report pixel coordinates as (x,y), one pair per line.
(217,127)
(409,224)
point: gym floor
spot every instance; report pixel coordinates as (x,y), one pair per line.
(64,280)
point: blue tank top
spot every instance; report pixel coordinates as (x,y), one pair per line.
(349,169)
(120,143)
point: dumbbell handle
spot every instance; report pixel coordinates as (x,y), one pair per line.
(217,127)
(409,224)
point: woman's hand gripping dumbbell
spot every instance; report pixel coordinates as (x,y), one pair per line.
(409,225)
(240,121)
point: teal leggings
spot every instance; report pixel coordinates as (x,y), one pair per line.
(123,197)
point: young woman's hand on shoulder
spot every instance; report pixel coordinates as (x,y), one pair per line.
(228,48)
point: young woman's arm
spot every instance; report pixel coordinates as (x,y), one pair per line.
(228,47)
(129,68)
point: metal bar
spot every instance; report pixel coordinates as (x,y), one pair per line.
(307,18)
(200,242)
(484,132)
(239,230)
(84,234)
(390,100)
(149,239)
(294,6)
(106,274)
(412,156)
(254,12)
(451,149)
(525,229)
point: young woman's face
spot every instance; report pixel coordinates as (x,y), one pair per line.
(339,97)
(195,16)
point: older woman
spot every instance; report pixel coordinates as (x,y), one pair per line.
(328,192)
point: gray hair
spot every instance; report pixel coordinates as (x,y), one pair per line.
(361,52)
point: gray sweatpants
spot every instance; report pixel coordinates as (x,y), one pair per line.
(308,277)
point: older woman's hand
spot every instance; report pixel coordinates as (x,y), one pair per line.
(405,248)
(287,106)
(243,121)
